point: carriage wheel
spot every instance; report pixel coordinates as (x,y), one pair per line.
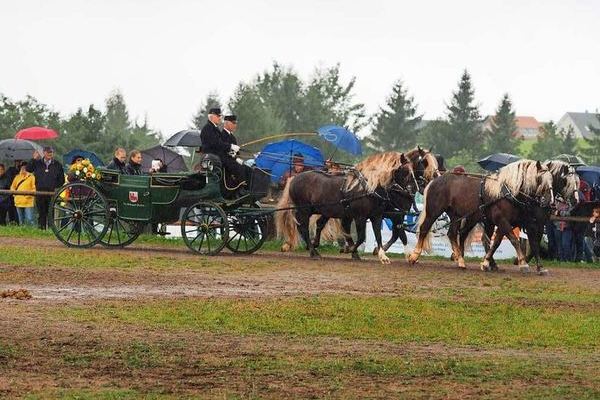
(78,215)
(120,232)
(247,232)
(204,228)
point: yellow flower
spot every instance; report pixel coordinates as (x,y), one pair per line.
(88,175)
(86,162)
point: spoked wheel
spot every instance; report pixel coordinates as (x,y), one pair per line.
(78,215)
(120,232)
(204,228)
(247,232)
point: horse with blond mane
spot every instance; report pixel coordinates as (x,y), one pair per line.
(360,195)
(468,200)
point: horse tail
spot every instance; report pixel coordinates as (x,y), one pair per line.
(426,246)
(286,225)
(333,230)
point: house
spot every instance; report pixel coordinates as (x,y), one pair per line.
(580,123)
(527,127)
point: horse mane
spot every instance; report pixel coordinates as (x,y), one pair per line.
(377,169)
(517,177)
(571,180)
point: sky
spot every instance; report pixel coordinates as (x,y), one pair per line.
(166,56)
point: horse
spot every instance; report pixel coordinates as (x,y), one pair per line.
(533,215)
(361,195)
(467,200)
(427,167)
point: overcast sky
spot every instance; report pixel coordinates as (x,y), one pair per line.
(165,56)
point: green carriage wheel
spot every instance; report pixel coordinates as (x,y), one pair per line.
(78,215)
(247,232)
(120,232)
(204,228)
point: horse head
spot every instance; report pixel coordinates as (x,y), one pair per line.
(425,166)
(544,183)
(565,180)
(404,184)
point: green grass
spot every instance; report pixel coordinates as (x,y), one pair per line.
(390,319)
(98,394)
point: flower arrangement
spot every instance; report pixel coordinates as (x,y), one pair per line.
(83,170)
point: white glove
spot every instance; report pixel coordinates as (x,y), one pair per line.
(239,161)
(235,147)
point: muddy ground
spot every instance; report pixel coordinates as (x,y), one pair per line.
(45,355)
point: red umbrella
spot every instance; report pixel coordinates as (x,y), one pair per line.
(36,133)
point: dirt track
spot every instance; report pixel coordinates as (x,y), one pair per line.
(55,354)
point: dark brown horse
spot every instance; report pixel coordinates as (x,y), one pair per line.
(533,215)
(468,200)
(356,197)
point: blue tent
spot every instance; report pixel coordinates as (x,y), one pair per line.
(278,157)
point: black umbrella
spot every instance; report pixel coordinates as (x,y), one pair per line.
(185,138)
(173,161)
(18,149)
(572,160)
(494,162)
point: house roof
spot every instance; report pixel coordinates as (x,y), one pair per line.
(583,120)
(525,122)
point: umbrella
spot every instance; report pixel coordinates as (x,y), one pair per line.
(277,157)
(173,161)
(570,159)
(341,138)
(94,159)
(36,133)
(590,174)
(494,162)
(18,149)
(185,138)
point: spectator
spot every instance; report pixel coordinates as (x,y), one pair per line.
(158,166)
(49,176)
(134,165)
(11,172)
(585,191)
(564,238)
(118,162)
(592,234)
(296,168)
(5,199)
(24,182)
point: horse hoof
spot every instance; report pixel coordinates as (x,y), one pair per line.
(485,267)
(543,272)
(525,269)
(355,257)
(412,258)
(285,248)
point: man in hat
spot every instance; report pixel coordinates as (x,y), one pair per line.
(49,176)
(223,144)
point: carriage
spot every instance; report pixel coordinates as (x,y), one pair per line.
(114,210)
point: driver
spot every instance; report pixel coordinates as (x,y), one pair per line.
(224,145)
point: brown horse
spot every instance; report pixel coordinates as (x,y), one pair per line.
(468,200)
(533,215)
(357,196)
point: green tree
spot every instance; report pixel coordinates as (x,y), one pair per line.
(500,138)
(117,126)
(464,120)
(16,115)
(569,142)
(201,116)
(395,125)
(83,130)
(548,144)
(592,151)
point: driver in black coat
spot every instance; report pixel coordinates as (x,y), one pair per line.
(224,145)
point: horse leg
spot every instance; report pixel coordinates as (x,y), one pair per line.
(453,237)
(465,229)
(534,235)
(376,224)
(488,263)
(397,232)
(303,219)
(348,241)
(506,229)
(424,228)
(321,222)
(361,229)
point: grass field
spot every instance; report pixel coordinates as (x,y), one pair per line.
(157,322)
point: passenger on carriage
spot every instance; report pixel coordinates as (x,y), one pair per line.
(224,145)
(297,166)
(134,165)
(118,162)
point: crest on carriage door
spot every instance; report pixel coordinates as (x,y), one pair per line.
(133,197)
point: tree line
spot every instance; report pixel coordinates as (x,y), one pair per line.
(278,100)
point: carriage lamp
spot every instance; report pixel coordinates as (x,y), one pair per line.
(207,165)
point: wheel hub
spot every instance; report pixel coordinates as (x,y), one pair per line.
(78,214)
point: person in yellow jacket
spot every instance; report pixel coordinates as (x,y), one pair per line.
(24,182)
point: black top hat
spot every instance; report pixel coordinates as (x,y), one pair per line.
(232,118)
(215,110)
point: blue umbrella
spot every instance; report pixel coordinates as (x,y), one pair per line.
(277,157)
(590,174)
(341,138)
(70,156)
